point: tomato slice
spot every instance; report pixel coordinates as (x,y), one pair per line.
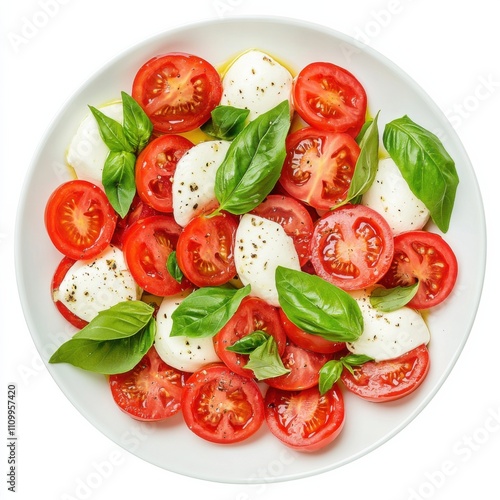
(329,97)
(177,91)
(151,391)
(205,249)
(427,258)
(155,167)
(391,379)
(253,314)
(64,266)
(79,219)
(305,420)
(148,243)
(222,407)
(352,247)
(293,216)
(319,166)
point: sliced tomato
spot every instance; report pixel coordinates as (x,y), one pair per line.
(309,341)
(305,420)
(293,216)
(222,407)
(64,266)
(147,244)
(381,381)
(151,391)
(155,167)
(79,219)
(177,91)
(352,247)
(329,97)
(319,166)
(304,366)
(205,249)
(253,314)
(427,258)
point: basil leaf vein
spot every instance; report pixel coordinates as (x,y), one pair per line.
(391,299)
(137,127)
(226,122)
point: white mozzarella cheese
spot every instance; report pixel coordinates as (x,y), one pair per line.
(262,245)
(391,196)
(87,151)
(387,335)
(94,285)
(183,353)
(257,82)
(193,187)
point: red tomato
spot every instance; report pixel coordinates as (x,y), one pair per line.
(329,97)
(79,219)
(252,315)
(150,391)
(352,247)
(155,167)
(427,258)
(220,406)
(177,91)
(63,267)
(293,217)
(205,249)
(389,380)
(319,166)
(147,245)
(309,341)
(305,420)
(304,366)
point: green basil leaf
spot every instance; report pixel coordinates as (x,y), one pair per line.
(318,307)
(111,132)
(118,179)
(226,122)
(425,165)
(137,127)
(390,299)
(249,343)
(329,374)
(253,162)
(107,356)
(173,267)
(355,359)
(119,321)
(367,163)
(265,361)
(205,311)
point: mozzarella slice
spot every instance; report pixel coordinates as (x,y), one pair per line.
(391,196)
(387,335)
(93,285)
(87,151)
(183,353)
(193,187)
(261,246)
(257,82)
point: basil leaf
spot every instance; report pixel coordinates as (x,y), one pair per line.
(205,311)
(118,179)
(137,127)
(111,132)
(173,267)
(318,307)
(226,122)
(119,321)
(366,164)
(252,164)
(390,299)
(249,343)
(265,361)
(331,371)
(425,165)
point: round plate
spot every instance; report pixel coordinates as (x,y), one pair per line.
(171,445)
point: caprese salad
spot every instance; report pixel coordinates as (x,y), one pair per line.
(241,247)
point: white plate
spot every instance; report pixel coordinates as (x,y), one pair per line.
(171,445)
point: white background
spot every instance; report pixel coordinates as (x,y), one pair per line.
(453,447)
